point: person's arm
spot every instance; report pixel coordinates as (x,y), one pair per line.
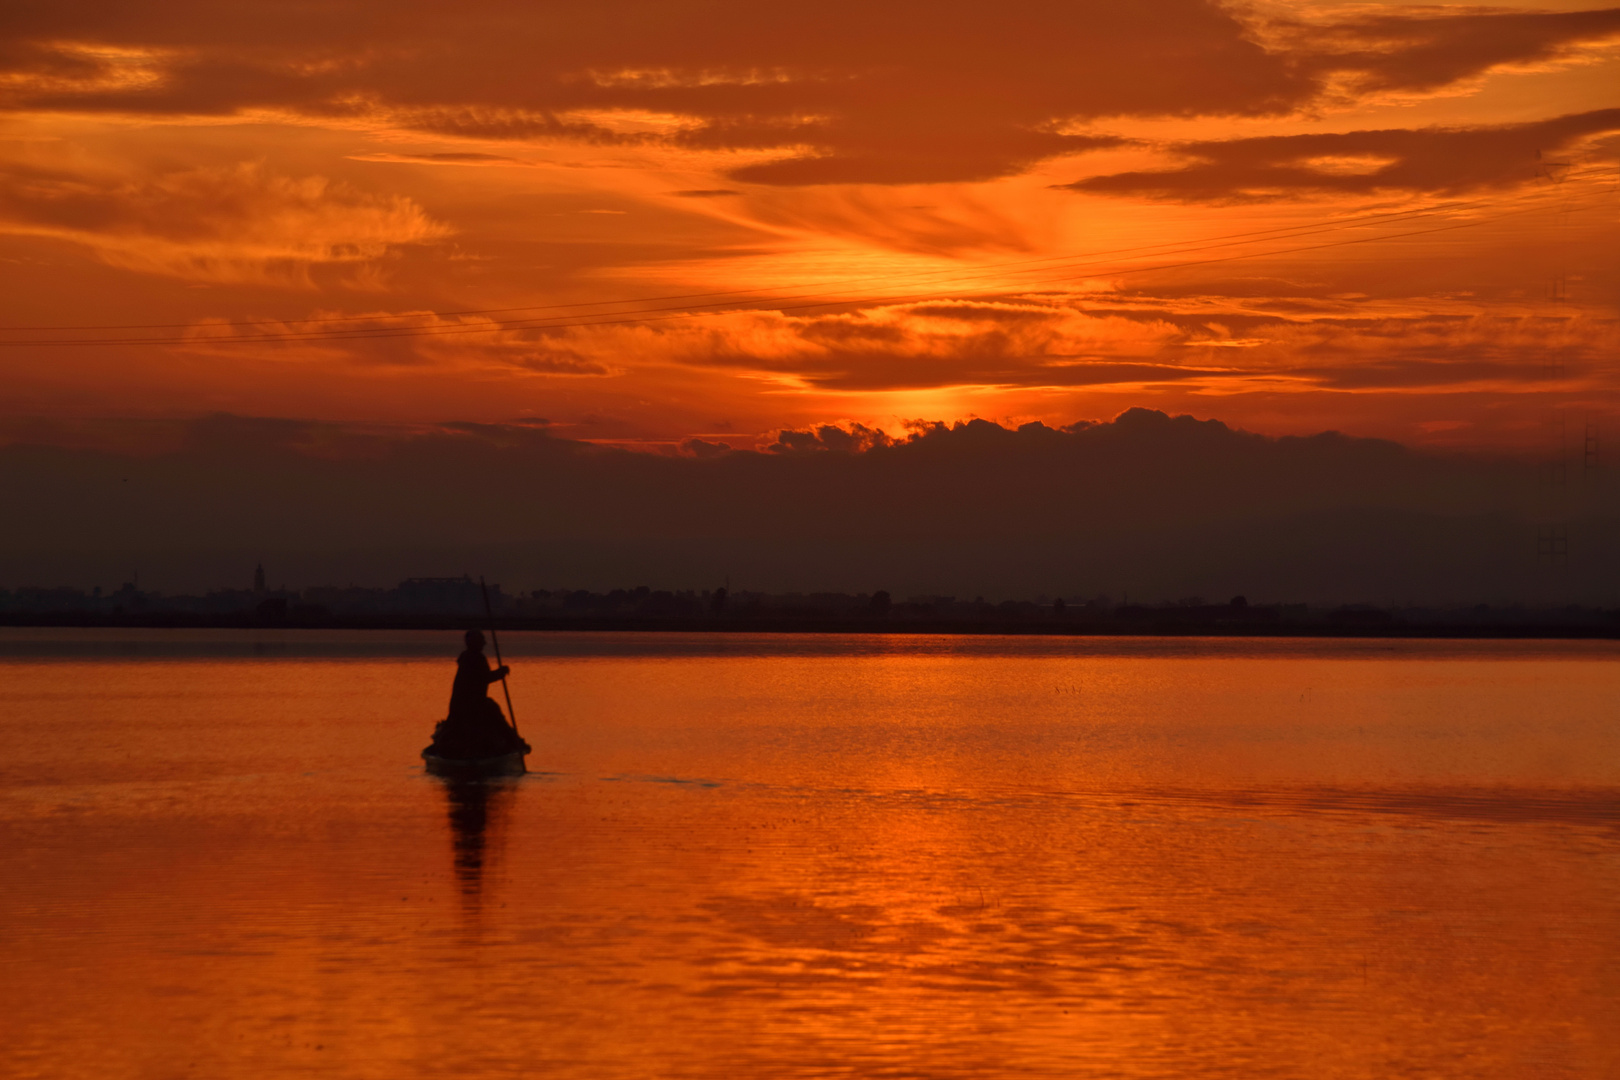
(498,674)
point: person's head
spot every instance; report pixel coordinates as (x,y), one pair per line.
(474,640)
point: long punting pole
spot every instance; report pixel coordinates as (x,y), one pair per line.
(495,641)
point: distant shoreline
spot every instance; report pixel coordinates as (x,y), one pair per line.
(1145,622)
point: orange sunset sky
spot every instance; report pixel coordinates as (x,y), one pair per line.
(651,222)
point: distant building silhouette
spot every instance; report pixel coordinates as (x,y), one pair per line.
(449,594)
(258,580)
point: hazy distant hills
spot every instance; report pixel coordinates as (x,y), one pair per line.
(1147,507)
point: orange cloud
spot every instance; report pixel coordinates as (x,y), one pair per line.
(226,224)
(986,345)
(399,339)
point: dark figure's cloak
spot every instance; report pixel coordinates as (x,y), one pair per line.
(469,694)
(476,727)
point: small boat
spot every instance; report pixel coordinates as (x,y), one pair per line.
(476,768)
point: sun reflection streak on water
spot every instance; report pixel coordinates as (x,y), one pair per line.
(941,860)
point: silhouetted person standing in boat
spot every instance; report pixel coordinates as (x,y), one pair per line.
(476,727)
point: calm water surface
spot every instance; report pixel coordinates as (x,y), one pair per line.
(811,856)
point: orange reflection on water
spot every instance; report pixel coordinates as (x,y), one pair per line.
(874,862)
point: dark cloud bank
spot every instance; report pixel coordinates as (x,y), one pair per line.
(1450,161)
(1152,506)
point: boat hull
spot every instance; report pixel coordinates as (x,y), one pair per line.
(475,768)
